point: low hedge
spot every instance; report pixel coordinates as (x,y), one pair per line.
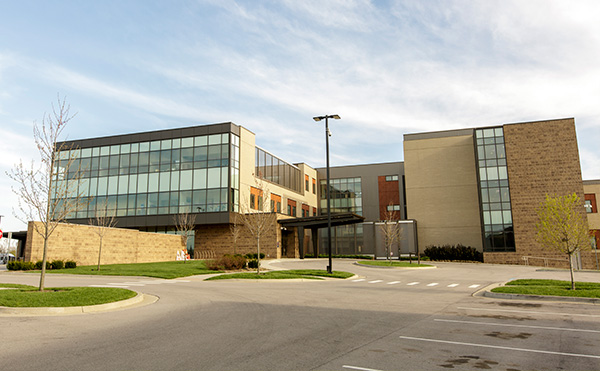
(453,253)
(226,262)
(17,265)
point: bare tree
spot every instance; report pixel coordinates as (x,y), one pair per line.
(562,226)
(49,192)
(236,230)
(104,220)
(256,217)
(185,223)
(392,231)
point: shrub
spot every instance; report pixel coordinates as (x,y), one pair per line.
(452,253)
(253,263)
(38,265)
(27,266)
(226,262)
(70,264)
(57,264)
(14,265)
(253,256)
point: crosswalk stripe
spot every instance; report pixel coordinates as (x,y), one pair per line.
(393,282)
(453,285)
(413,283)
(433,284)
(121,286)
(376,281)
(474,286)
(359,280)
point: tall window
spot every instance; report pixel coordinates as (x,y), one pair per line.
(346,195)
(496,215)
(277,171)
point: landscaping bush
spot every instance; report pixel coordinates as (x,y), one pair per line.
(253,256)
(227,262)
(17,265)
(453,253)
(38,265)
(70,264)
(253,263)
(57,264)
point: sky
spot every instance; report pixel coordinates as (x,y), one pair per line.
(386,67)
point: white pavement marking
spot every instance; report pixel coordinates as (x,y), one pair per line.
(474,286)
(153,282)
(127,283)
(501,347)
(123,287)
(413,283)
(393,282)
(453,285)
(524,326)
(433,284)
(376,281)
(359,280)
(176,281)
(530,312)
(360,368)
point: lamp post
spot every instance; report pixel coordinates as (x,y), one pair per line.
(327,134)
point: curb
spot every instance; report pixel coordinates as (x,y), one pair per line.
(391,267)
(486,292)
(138,300)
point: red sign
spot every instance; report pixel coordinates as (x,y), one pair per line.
(0,233)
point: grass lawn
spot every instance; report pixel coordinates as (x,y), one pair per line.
(172,269)
(29,296)
(393,263)
(314,274)
(550,288)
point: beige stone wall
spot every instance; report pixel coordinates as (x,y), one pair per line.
(217,240)
(441,190)
(80,243)
(593,186)
(542,158)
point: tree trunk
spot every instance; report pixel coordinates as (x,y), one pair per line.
(571,270)
(43,275)
(99,254)
(258,255)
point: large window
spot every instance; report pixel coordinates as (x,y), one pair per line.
(496,215)
(277,171)
(346,195)
(193,174)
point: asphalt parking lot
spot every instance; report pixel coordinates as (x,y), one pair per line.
(382,319)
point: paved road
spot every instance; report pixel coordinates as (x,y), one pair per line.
(384,319)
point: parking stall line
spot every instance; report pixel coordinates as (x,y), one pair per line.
(511,325)
(530,312)
(501,347)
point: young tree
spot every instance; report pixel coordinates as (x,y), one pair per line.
(257,218)
(104,220)
(185,223)
(391,230)
(49,192)
(562,226)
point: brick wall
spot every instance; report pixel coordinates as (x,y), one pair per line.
(81,243)
(542,158)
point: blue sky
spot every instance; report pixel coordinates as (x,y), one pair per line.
(386,67)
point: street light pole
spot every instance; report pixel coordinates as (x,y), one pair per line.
(327,134)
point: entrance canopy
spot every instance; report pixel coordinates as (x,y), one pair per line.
(316,222)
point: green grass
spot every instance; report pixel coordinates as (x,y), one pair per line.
(550,288)
(314,274)
(393,263)
(29,296)
(171,269)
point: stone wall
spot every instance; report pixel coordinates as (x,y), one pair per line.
(217,240)
(81,243)
(542,158)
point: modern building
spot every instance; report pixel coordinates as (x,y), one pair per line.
(479,187)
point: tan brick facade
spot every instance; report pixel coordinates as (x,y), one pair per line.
(542,158)
(217,240)
(80,243)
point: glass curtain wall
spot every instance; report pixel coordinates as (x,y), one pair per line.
(498,234)
(275,170)
(159,177)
